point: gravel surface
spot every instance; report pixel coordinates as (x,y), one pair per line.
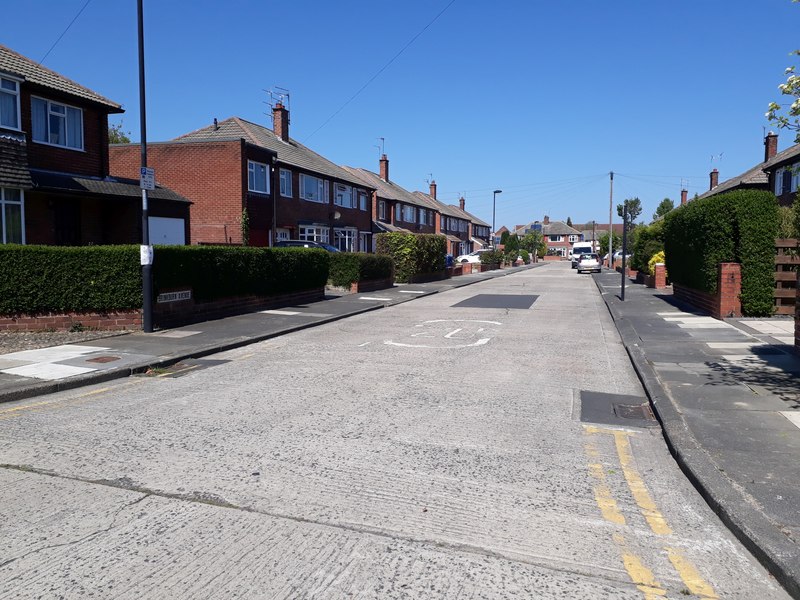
(15,341)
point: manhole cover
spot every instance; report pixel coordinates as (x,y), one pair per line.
(634,411)
(498,301)
(102,359)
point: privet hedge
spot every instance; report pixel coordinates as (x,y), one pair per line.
(649,241)
(43,279)
(739,226)
(413,253)
(350,267)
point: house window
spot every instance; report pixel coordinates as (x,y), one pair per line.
(257,180)
(362,200)
(462,226)
(9,103)
(345,239)
(573,239)
(283,234)
(286,183)
(344,196)
(12,216)
(423,216)
(363,242)
(787,181)
(382,209)
(313,189)
(398,212)
(314,233)
(556,238)
(409,214)
(56,124)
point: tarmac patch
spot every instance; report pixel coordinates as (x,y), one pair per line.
(517,301)
(616,409)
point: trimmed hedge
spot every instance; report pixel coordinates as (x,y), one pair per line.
(413,253)
(493,257)
(739,226)
(649,241)
(44,279)
(350,267)
(215,272)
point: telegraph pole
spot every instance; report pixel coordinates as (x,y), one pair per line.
(146,178)
(610,223)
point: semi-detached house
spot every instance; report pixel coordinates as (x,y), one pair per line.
(252,184)
(55,186)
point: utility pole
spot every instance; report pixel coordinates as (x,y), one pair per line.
(146,251)
(610,223)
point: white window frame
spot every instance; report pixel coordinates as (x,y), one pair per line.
(558,238)
(409,213)
(364,241)
(16,94)
(286,184)
(314,233)
(398,212)
(343,195)
(6,201)
(779,181)
(49,104)
(252,174)
(346,239)
(574,238)
(282,234)
(382,209)
(314,189)
(363,201)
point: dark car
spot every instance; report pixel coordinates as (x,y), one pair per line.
(305,244)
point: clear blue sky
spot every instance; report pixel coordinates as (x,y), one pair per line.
(538,98)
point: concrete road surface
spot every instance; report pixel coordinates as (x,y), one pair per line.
(434,449)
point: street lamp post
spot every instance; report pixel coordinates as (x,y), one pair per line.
(494,204)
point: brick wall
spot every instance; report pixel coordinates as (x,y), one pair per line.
(725,303)
(213,175)
(122,320)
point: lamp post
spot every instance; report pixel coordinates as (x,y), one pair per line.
(494,204)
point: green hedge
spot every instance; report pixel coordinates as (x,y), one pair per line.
(739,226)
(493,257)
(649,241)
(215,272)
(350,267)
(43,279)
(413,253)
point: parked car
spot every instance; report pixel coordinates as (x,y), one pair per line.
(472,257)
(578,250)
(305,244)
(588,263)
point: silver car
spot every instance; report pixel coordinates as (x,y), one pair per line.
(588,263)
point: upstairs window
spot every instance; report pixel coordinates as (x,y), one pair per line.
(286,183)
(56,124)
(257,177)
(362,200)
(556,238)
(9,103)
(382,210)
(313,189)
(409,214)
(344,196)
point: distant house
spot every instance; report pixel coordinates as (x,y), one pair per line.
(235,168)
(480,231)
(558,236)
(753,179)
(393,207)
(451,222)
(783,174)
(55,186)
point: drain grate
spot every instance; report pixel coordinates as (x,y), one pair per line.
(634,411)
(616,409)
(102,359)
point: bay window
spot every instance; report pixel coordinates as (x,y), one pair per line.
(345,239)
(314,233)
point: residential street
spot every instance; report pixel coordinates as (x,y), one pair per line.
(432,449)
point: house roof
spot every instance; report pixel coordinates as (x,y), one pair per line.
(109,186)
(14,161)
(291,153)
(551,228)
(380,225)
(782,157)
(17,65)
(445,209)
(750,178)
(468,216)
(386,189)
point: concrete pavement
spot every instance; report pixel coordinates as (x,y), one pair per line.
(728,397)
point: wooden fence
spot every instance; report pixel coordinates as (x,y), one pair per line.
(786,265)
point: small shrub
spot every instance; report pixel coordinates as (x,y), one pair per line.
(413,253)
(349,267)
(525,256)
(657,258)
(492,257)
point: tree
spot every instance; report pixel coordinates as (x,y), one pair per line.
(569,222)
(634,209)
(663,208)
(504,237)
(603,239)
(533,242)
(117,136)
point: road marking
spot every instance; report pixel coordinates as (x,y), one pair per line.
(639,490)
(793,417)
(479,342)
(364,344)
(412,291)
(690,576)
(638,572)
(374,298)
(176,334)
(602,494)
(288,313)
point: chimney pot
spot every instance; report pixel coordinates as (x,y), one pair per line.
(714,177)
(280,121)
(684,194)
(546,220)
(433,189)
(462,202)
(770,145)
(384,167)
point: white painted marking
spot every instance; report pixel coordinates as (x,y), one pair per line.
(48,371)
(479,342)
(785,340)
(717,325)
(452,333)
(364,344)
(177,334)
(374,298)
(412,292)
(288,313)
(53,354)
(460,321)
(734,345)
(794,417)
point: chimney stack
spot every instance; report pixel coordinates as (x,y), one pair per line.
(384,167)
(546,220)
(462,202)
(684,194)
(280,121)
(433,189)
(714,177)
(770,145)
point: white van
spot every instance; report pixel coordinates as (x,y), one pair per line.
(579,248)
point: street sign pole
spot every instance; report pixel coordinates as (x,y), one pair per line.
(624,246)
(147,180)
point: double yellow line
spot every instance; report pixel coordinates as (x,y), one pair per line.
(640,574)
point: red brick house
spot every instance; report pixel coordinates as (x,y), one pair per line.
(55,186)
(558,236)
(753,179)
(451,222)
(235,167)
(393,207)
(783,174)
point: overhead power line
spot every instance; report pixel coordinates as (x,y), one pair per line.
(63,33)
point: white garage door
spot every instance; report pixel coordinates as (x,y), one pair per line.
(165,230)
